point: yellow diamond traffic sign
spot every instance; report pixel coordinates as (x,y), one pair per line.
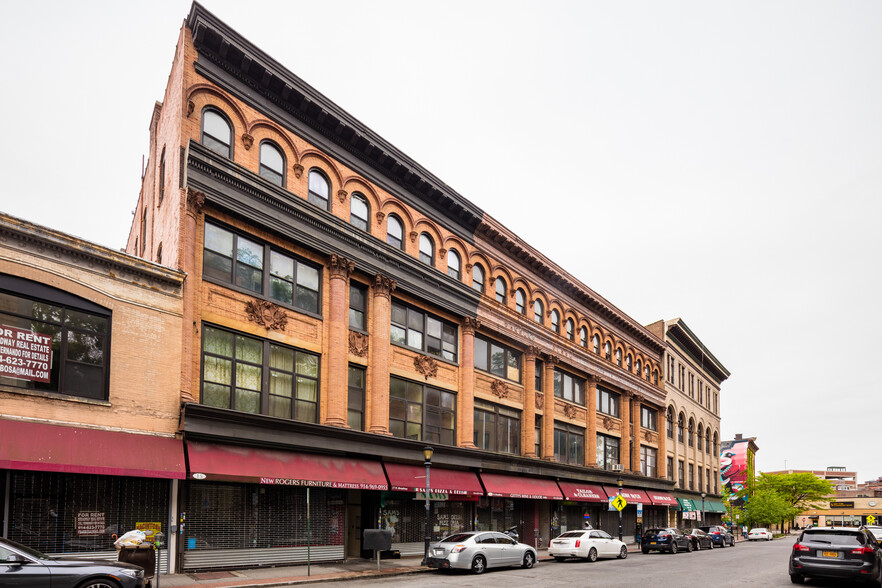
(871,520)
(619,502)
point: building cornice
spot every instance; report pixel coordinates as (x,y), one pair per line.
(683,338)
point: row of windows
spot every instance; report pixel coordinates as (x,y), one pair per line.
(681,481)
(217,135)
(703,433)
(706,397)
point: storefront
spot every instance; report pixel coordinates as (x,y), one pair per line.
(72,491)
(528,502)
(584,503)
(663,509)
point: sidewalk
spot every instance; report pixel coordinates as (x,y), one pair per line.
(293,575)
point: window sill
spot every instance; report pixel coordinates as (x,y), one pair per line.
(54,396)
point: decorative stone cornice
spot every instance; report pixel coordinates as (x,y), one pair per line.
(340,267)
(358,344)
(470,325)
(383,286)
(499,388)
(195,200)
(425,365)
(266,314)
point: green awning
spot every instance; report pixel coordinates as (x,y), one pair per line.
(714,506)
(687,505)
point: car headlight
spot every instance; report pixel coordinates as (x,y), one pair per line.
(131,573)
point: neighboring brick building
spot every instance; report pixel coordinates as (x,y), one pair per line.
(343,308)
(89,348)
(693,377)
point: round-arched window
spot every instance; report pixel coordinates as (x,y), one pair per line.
(500,290)
(453,265)
(217,133)
(427,249)
(394,232)
(478,277)
(319,189)
(272,164)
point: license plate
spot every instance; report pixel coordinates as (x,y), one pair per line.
(830,553)
(439,552)
(652,542)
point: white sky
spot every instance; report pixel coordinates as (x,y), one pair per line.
(716,161)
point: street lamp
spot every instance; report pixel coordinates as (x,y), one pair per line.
(620,510)
(703,494)
(427,453)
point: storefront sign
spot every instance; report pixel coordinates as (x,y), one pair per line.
(432,496)
(322,484)
(90,522)
(587,494)
(25,355)
(150,529)
(842,504)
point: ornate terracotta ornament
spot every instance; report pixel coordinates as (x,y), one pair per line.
(413,236)
(425,365)
(442,252)
(298,170)
(533,351)
(195,200)
(469,267)
(539,401)
(247,140)
(383,286)
(191,106)
(342,194)
(499,388)
(380,217)
(358,344)
(610,424)
(266,314)
(551,360)
(570,411)
(649,436)
(470,325)
(340,267)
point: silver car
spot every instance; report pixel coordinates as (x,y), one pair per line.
(479,550)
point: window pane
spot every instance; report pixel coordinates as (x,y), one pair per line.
(398,335)
(397,388)
(249,278)
(249,350)
(414,413)
(306,389)
(247,401)
(514,367)
(281,358)
(448,401)
(271,158)
(282,266)
(281,290)
(85,348)
(433,327)
(249,253)
(216,341)
(281,384)
(217,266)
(305,412)
(216,395)
(248,376)
(218,370)
(497,360)
(480,354)
(219,240)
(307,276)
(280,407)
(307,299)
(414,392)
(397,408)
(307,364)
(216,126)
(358,210)
(399,314)
(413,431)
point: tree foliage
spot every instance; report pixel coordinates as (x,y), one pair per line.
(801,491)
(766,507)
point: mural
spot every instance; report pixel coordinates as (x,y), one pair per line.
(734,465)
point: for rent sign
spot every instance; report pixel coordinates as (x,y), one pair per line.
(25,355)
(90,522)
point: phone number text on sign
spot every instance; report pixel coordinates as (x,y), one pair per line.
(25,355)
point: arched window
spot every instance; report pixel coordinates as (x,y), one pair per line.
(217,133)
(555,321)
(427,249)
(162,176)
(619,357)
(681,422)
(607,350)
(520,301)
(453,265)
(500,290)
(571,328)
(655,377)
(478,277)
(629,364)
(595,343)
(583,336)
(639,364)
(691,433)
(670,418)
(272,164)
(319,189)
(646,372)
(394,232)
(707,446)
(538,312)
(359,211)
(716,444)
(700,435)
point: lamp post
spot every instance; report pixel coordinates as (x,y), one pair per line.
(703,495)
(620,511)
(427,453)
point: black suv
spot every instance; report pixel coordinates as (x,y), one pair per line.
(665,539)
(836,552)
(720,535)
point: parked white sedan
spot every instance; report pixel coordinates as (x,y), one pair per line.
(587,544)
(759,534)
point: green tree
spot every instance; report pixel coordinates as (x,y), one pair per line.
(765,507)
(802,491)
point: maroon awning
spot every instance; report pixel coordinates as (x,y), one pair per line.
(661,498)
(410,478)
(53,448)
(632,495)
(582,492)
(284,468)
(520,487)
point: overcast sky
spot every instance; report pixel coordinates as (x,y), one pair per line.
(715,161)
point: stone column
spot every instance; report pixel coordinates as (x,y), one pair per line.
(191,340)
(591,422)
(465,410)
(528,416)
(625,442)
(336,394)
(548,409)
(380,348)
(636,401)
(661,419)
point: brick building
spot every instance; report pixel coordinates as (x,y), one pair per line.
(693,377)
(344,308)
(90,388)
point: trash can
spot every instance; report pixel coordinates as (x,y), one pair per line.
(142,555)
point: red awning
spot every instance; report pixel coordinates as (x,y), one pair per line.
(632,495)
(284,468)
(409,478)
(53,448)
(661,498)
(519,487)
(582,492)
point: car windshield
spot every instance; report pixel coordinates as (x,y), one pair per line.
(655,531)
(569,534)
(27,550)
(458,538)
(831,537)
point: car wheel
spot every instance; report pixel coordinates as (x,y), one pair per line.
(689,546)
(797,579)
(645,551)
(479,564)
(529,560)
(592,555)
(558,558)
(697,546)
(623,552)
(673,548)
(99,583)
